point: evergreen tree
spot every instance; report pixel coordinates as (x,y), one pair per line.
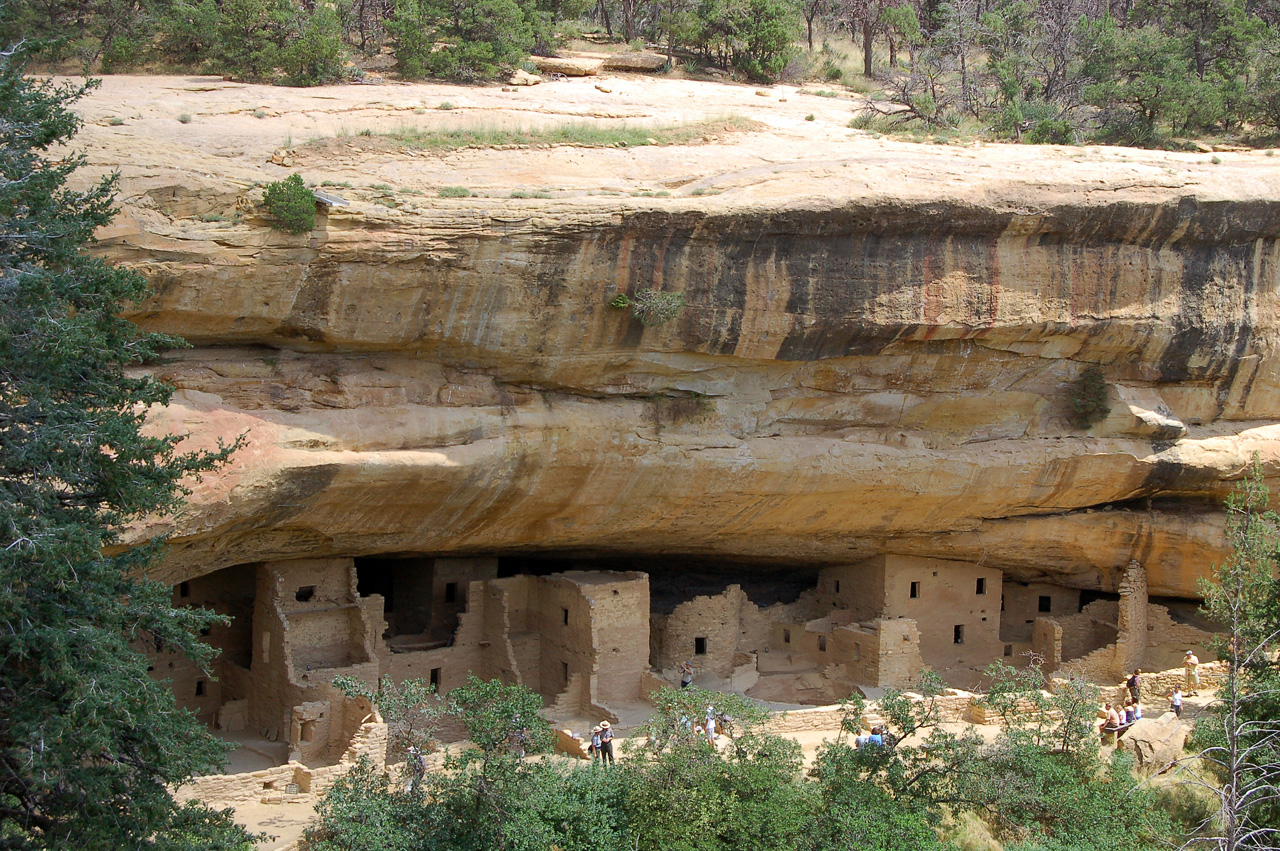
(88,740)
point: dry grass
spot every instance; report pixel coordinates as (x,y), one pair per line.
(581,133)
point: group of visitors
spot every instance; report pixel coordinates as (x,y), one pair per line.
(601,747)
(1117,717)
(875,737)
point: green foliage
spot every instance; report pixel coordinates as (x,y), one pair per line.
(481,38)
(497,715)
(655,307)
(1087,402)
(411,710)
(290,204)
(311,52)
(454,192)
(89,741)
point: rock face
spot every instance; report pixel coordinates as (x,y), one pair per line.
(1156,742)
(855,371)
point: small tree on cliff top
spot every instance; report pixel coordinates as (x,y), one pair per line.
(88,740)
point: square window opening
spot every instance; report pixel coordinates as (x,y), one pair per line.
(1046,603)
(700,646)
(957,634)
(822,644)
(307,733)
(915,590)
(982,585)
(451,592)
(1008,650)
(435,677)
(184,589)
(305,593)
(786,636)
(199,688)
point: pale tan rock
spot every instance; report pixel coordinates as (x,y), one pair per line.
(568,65)
(643,61)
(1156,742)
(600,87)
(521,77)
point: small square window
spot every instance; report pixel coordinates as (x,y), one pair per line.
(822,644)
(982,585)
(305,593)
(451,592)
(184,589)
(915,590)
(199,688)
(1046,603)
(957,634)
(1008,650)
(435,677)
(786,636)
(700,646)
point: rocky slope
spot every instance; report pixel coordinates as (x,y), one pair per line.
(876,353)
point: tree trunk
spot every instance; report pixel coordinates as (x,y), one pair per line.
(809,22)
(893,53)
(603,9)
(866,47)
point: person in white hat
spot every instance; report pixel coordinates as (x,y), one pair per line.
(606,743)
(594,747)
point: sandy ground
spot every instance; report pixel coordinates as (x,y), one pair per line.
(224,145)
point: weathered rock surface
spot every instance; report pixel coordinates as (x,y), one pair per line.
(642,61)
(1156,742)
(876,353)
(570,66)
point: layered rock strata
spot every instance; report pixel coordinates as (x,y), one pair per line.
(856,371)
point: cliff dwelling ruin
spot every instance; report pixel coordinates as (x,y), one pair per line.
(594,635)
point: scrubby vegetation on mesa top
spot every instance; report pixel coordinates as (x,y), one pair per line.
(1145,72)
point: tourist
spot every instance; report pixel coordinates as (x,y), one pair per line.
(1175,701)
(1191,672)
(686,674)
(417,768)
(1137,711)
(606,743)
(596,743)
(1113,717)
(876,738)
(862,741)
(711,726)
(1128,713)
(1135,685)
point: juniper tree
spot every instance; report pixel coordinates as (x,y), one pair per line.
(88,740)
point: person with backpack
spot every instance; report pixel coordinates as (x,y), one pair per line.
(606,743)
(1135,686)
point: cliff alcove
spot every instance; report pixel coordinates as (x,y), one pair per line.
(852,453)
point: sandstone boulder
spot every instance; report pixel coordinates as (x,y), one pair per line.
(568,65)
(1156,742)
(643,61)
(521,77)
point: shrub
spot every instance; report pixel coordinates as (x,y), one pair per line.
(290,204)
(454,192)
(313,53)
(654,307)
(1087,398)
(811,117)
(184,118)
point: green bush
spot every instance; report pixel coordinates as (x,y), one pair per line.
(654,307)
(312,53)
(291,205)
(455,192)
(1087,398)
